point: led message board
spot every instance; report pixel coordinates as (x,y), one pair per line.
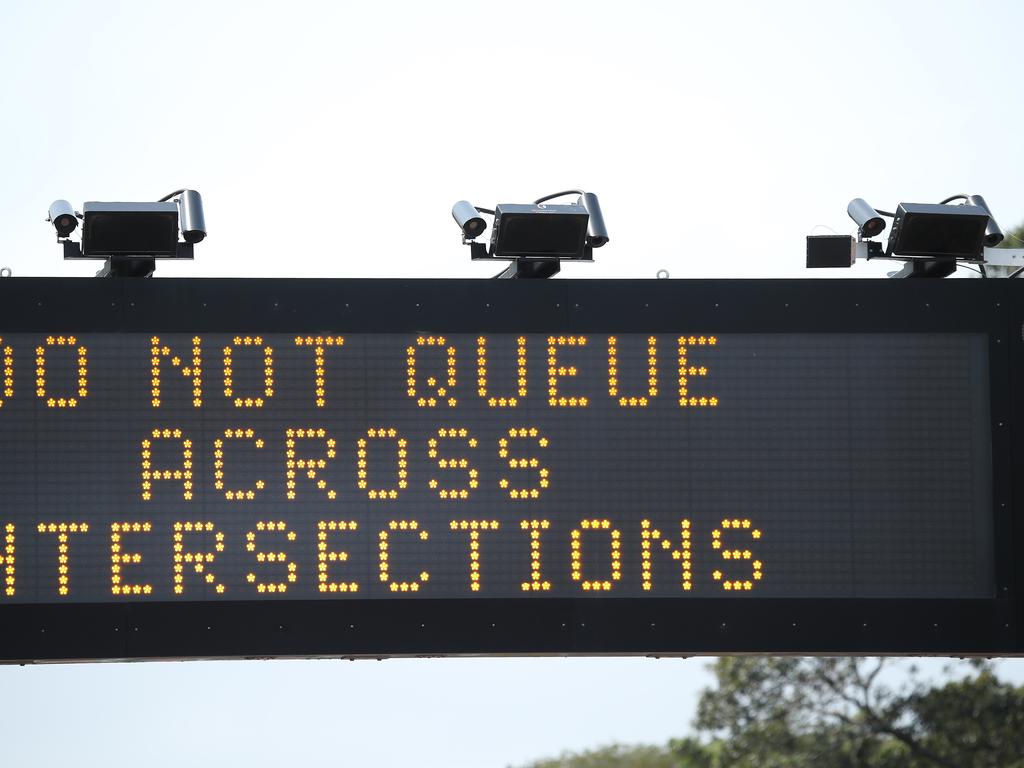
(304,472)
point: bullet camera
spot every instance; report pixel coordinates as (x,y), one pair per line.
(469,219)
(993,234)
(867,218)
(190,210)
(63,217)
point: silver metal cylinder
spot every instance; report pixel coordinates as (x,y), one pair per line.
(469,219)
(596,228)
(190,213)
(62,216)
(867,218)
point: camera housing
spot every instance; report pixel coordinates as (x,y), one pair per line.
(869,222)
(922,230)
(993,234)
(63,217)
(190,213)
(469,219)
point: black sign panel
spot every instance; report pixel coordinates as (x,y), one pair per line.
(260,468)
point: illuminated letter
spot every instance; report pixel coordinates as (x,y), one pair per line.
(310,466)
(271,557)
(399,586)
(119,560)
(198,560)
(737,554)
(652,374)
(195,371)
(443,463)
(149,474)
(268,372)
(318,343)
(8,380)
(324,557)
(441,392)
(362,463)
(83,372)
(63,564)
(577,554)
(649,536)
(7,559)
(218,465)
(555,371)
(531,463)
(535,527)
(481,374)
(474,527)
(687,398)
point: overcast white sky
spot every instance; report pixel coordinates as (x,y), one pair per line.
(331,139)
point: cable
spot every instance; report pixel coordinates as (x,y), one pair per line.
(954,197)
(973,269)
(823,226)
(165,198)
(483,210)
(885,213)
(558,194)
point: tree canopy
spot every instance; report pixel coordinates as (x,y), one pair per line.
(1014,237)
(838,713)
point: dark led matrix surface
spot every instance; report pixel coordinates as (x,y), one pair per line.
(332,466)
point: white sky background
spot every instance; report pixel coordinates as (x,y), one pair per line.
(330,140)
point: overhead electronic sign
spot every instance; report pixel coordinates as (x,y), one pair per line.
(293,468)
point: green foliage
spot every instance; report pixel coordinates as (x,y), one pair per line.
(859,713)
(977,722)
(838,713)
(1014,237)
(615,756)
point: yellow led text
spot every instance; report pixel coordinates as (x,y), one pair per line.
(63,531)
(198,560)
(577,554)
(684,554)
(687,370)
(438,391)
(319,343)
(268,372)
(633,401)
(7,559)
(556,371)
(271,557)
(218,465)
(535,527)
(362,463)
(731,555)
(474,527)
(8,371)
(119,559)
(510,401)
(193,371)
(183,474)
(324,557)
(523,463)
(450,463)
(310,466)
(385,567)
(83,372)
